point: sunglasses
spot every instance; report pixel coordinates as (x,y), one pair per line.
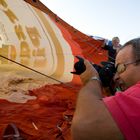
(121,67)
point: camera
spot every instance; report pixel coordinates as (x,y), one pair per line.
(106,71)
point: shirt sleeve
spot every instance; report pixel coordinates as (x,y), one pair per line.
(106,47)
(125,110)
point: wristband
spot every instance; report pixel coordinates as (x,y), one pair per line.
(95,78)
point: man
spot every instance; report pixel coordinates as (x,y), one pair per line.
(112,48)
(115,117)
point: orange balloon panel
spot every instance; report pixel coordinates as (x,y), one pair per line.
(41,42)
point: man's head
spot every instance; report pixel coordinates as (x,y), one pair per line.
(128,64)
(115,41)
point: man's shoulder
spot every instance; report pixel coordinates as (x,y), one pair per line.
(133,90)
(108,46)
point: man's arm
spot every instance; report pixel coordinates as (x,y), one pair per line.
(91,120)
(105,46)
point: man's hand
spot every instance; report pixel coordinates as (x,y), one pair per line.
(89,72)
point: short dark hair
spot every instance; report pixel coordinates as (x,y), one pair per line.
(136,48)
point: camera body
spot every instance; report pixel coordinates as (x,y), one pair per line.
(106,71)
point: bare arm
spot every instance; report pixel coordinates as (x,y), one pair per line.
(92,119)
(104,46)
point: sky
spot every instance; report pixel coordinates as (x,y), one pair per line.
(103,18)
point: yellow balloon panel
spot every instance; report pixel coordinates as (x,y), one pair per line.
(29,37)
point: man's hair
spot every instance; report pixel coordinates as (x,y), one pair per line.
(135,43)
(115,38)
